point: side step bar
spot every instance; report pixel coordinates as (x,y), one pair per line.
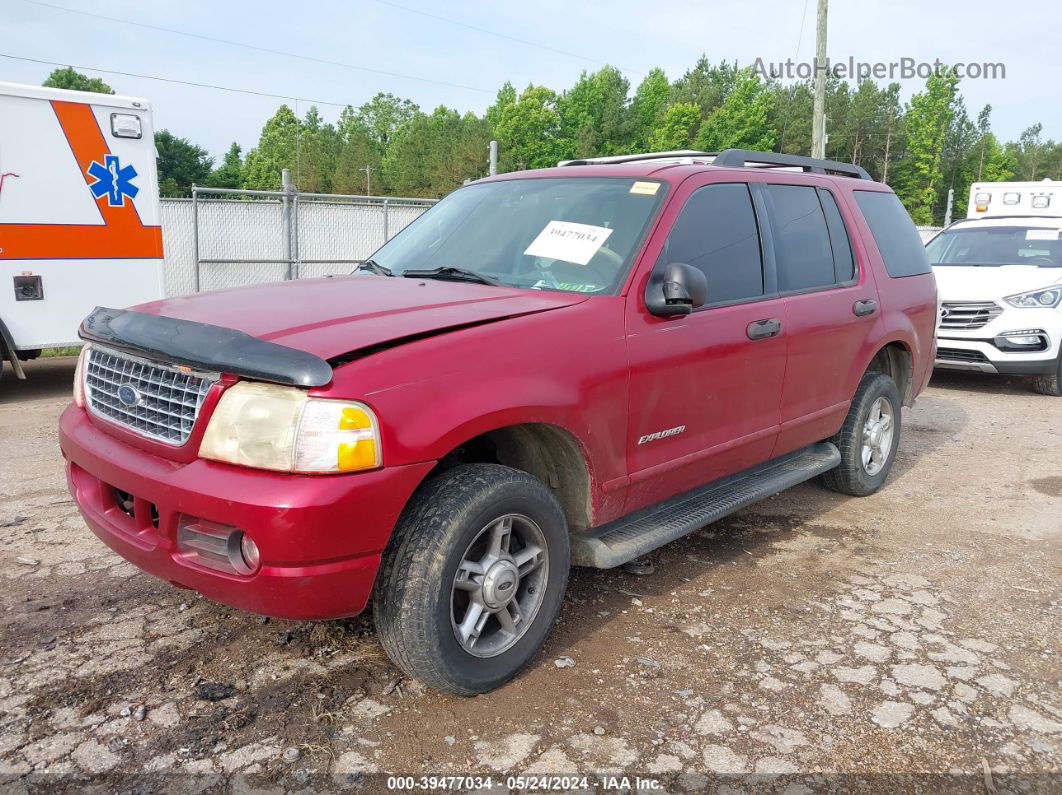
(632,536)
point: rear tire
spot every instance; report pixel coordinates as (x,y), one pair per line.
(473,578)
(868,439)
(1049,384)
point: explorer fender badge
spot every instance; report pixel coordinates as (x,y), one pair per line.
(652,437)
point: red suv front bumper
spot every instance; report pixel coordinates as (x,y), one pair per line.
(320,537)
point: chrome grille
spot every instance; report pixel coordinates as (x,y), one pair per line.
(968,314)
(165,401)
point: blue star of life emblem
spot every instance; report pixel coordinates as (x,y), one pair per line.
(113,180)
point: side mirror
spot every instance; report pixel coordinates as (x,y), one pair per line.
(675,289)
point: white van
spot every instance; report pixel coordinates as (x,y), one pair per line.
(999,276)
(79,213)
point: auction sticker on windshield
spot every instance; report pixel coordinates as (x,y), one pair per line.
(568,241)
(1041,234)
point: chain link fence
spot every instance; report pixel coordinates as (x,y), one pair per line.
(228,238)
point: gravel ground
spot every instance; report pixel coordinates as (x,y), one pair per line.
(903,640)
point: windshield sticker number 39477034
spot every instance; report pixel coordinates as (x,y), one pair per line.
(568,241)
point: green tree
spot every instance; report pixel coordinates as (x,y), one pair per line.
(677,128)
(506,97)
(595,118)
(181,163)
(384,114)
(227,175)
(275,152)
(358,151)
(433,154)
(649,105)
(70,79)
(529,131)
(705,85)
(742,120)
(1030,153)
(318,150)
(928,118)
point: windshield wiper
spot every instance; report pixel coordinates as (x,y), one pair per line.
(450,272)
(372,266)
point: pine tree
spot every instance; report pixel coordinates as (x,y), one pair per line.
(227,175)
(742,120)
(275,152)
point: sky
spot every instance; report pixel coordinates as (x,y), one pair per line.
(438,56)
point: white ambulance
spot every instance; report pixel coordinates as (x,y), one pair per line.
(79,213)
(999,276)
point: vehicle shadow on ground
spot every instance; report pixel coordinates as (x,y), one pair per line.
(50,377)
(983,383)
(750,535)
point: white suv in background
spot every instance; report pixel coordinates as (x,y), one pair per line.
(999,278)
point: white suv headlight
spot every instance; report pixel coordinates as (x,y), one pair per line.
(267,426)
(1047,297)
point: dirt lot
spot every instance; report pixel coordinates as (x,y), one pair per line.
(913,632)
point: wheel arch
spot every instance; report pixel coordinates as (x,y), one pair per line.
(544,450)
(896,360)
(9,352)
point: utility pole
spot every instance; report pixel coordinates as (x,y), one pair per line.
(492,167)
(368,180)
(818,121)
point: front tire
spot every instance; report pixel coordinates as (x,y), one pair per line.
(1049,384)
(868,439)
(473,578)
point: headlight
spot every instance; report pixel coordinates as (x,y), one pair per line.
(282,428)
(79,377)
(1048,297)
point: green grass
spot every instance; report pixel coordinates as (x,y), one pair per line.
(72,350)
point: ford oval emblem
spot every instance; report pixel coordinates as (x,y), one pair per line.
(128,396)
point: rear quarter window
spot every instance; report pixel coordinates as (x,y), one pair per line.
(895,235)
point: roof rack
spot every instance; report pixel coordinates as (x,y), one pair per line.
(740,158)
(614,159)
(734,158)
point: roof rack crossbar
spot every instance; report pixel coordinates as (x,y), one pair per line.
(734,158)
(740,158)
(637,158)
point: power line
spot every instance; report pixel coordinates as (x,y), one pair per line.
(792,91)
(525,42)
(255,47)
(175,80)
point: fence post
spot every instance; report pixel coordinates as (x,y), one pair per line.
(385,220)
(195,235)
(285,187)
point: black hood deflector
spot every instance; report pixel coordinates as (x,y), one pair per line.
(204,346)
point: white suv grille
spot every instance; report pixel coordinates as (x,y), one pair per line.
(968,314)
(156,400)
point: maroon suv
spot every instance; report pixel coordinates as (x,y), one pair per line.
(568,366)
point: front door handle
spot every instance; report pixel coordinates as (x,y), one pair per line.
(760,329)
(866,307)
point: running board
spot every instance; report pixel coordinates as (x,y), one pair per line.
(632,536)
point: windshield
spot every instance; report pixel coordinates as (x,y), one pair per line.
(996,246)
(571,234)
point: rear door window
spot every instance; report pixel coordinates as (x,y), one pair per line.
(843,261)
(894,233)
(717,233)
(802,248)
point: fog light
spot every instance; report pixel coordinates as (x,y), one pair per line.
(217,546)
(249,552)
(1022,340)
